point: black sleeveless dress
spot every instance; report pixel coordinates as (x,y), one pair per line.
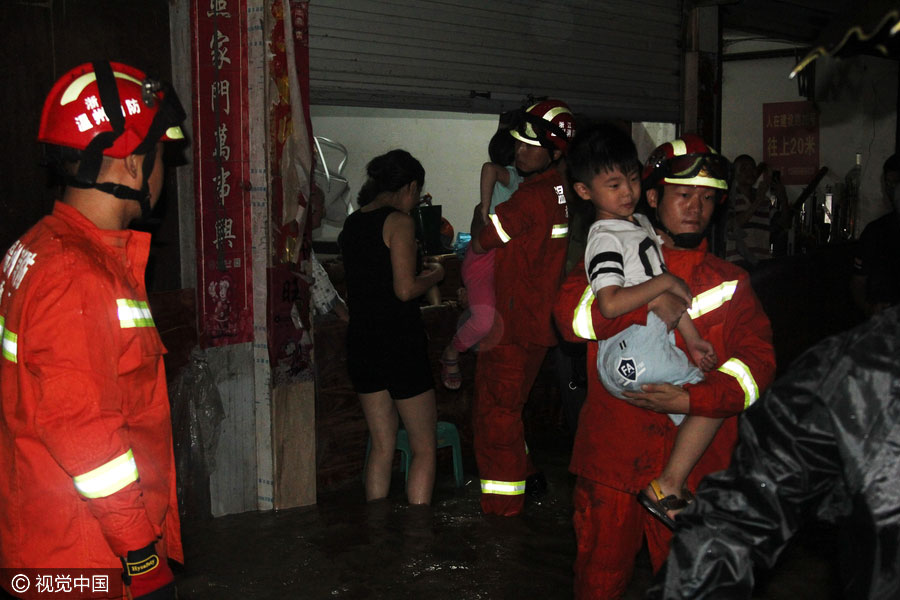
(387,348)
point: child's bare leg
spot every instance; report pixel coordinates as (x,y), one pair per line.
(451,376)
(694,437)
(450,353)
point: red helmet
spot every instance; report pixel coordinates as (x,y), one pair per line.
(109,109)
(75,111)
(550,124)
(686,161)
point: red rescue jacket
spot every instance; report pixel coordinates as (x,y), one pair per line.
(531,231)
(86,465)
(623,446)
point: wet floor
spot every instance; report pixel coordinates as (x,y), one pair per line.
(346,548)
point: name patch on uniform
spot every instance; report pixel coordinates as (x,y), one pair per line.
(16,263)
(560,194)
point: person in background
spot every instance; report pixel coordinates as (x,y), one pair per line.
(499,179)
(751,211)
(822,444)
(88,472)
(387,348)
(875,283)
(621,444)
(529,232)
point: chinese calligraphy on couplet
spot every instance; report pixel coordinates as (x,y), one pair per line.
(222,171)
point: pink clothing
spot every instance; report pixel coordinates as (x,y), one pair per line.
(478,277)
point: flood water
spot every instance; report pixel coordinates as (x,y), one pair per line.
(348,549)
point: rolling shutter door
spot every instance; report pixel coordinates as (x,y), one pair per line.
(614,59)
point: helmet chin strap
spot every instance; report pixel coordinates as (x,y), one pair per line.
(525,175)
(123,192)
(147,168)
(688,241)
(538,171)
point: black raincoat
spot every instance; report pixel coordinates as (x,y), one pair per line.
(823,443)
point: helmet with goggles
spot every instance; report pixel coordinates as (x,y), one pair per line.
(110,109)
(549,123)
(686,161)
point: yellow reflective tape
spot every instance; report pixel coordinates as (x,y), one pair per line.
(109,478)
(174,133)
(582,322)
(555,112)
(9,343)
(502,488)
(134,313)
(700,181)
(504,237)
(741,372)
(560,231)
(712,298)
(679,148)
(75,88)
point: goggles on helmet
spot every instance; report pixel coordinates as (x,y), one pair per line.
(549,123)
(707,170)
(536,131)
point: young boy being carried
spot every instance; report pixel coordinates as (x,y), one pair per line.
(626,270)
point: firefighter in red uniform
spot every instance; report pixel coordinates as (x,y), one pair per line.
(88,474)
(621,445)
(530,232)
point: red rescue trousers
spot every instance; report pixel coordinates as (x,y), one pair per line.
(610,526)
(503,378)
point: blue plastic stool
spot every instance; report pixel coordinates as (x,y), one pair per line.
(447,435)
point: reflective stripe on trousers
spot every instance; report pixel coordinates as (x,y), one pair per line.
(504,488)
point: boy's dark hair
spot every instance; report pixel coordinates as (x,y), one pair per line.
(891,165)
(598,148)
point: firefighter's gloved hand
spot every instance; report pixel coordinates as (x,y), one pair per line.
(146,576)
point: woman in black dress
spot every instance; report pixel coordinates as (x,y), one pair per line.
(387,349)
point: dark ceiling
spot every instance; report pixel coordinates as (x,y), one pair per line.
(794,20)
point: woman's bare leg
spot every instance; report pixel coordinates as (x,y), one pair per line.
(419,415)
(381,417)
